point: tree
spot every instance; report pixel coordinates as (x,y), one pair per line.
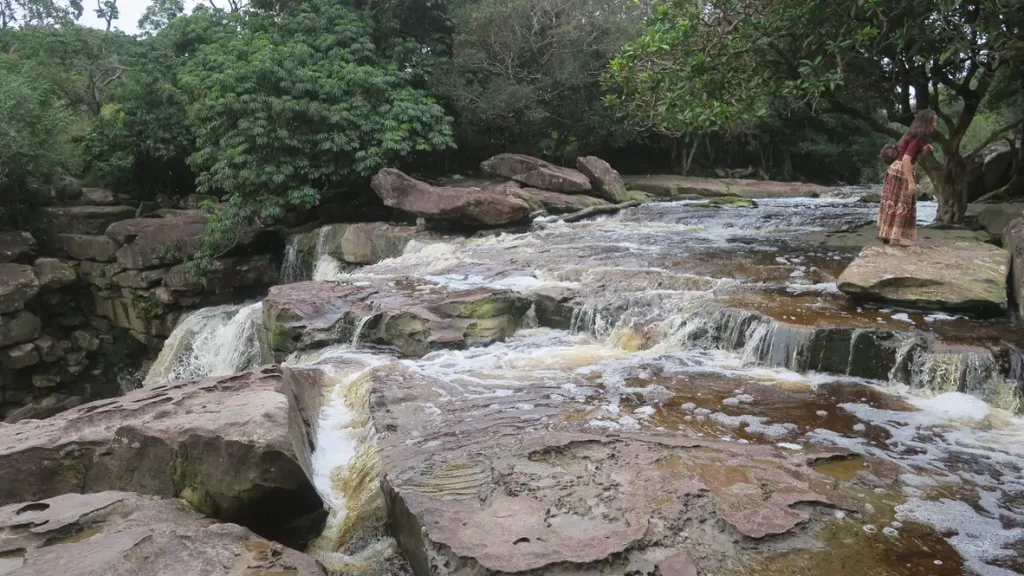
(293,103)
(526,74)
(107,11)
(159,14)
(39,12)
(713,64)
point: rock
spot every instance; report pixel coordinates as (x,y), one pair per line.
(311,314)
(990,169)
(993,218)
(365,243)
(557,203)
(122,534)
(605,180)
(42,381)
(962,276)
(69,190)
(86,340)
(140,279)
(536,173)
(226,274)
(18,285)
(222,444)
(677,565)
(1013,240)
(146,208)
(48,348)
(16,246)
(53,273)
(671,186)
(150,242)
(87,220)
(98,274)
(638,196)
(195,201)
(728,201)
(467,206)
(19,328)
(18,357)
(84,247)
(873,198)
(97,197)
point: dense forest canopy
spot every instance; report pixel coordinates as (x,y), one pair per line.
(267,105)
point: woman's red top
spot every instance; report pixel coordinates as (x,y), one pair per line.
(911,147)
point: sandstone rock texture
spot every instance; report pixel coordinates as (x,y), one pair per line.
(364,243)
(123,534)
(536,173)
(222,444)
(312,314)
(606,181)
(557,203)
(671,186)
(961,276)
(471,207)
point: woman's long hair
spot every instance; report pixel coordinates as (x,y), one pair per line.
(922,126)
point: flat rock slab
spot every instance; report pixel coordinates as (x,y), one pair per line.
(16,246)
(514,482)
(472,207)
(669,186)
(149,242)
(536,173)
(89,220)
(557,203)
(221,443)
(965,276)
(413,317)
(124,534)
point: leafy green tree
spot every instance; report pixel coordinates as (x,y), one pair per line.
(107,11)
(293,103)
(38,12)
(725,64)
(159,14)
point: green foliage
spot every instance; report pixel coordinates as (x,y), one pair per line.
(38,12)
(292,103)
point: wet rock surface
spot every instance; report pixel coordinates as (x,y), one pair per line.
(962,276)
(557,203)
(221,444)
(118,533)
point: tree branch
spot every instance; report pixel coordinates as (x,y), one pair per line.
(995,136)
(880,127)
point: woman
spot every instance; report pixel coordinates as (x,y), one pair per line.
(897,213)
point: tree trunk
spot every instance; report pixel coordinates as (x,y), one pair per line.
(950,181)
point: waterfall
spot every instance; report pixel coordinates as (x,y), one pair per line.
(292,269)
(216,341)
(974,373)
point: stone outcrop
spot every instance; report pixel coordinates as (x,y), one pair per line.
(121,534)
(1013,240)
(993,218)
(606,181)
(222,444)
(671,186)
(18,285)
(365,243)
(53,274)
(89,220)
(83,247)
(16,246)
(990,169)
(536,173)
(313,314)
(962,276)
(470,207)
(152,242)
(557,203)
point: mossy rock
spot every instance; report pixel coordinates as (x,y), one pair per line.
(728,201)
(638,196)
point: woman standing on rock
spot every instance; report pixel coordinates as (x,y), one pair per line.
(897,212)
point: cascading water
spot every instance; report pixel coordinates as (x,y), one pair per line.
(216,341)
(292,269)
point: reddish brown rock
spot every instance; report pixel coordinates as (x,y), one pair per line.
(149,242)
(471,207)
(606,181)
(536,173)
(677,565)
(557,203)
(97,248)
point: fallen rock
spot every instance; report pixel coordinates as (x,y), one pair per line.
(536,173)
(18,285)
(467,206)
(18,328)
(313,314)
(87,220)
(556,203)
(606,181)
(222,444)
(121,534)
(671,186)
(965,276)
(18,357)
(53,273)
(84,247)
(16,246)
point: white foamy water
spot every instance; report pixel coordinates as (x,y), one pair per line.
(217,341)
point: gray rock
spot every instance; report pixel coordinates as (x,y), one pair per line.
(606,181)
(97,197)
(18,285)
(16,246)
(88,220)
(85,340)
(19,328)
(151,242)
(140,279)
(557,203)
(225,274)
(471,207)
(48,348)
(98,248)
(124,534)
(19,356)
(1013,240)
(994,218)
(44,381)
(536,173)
(672,186)
(53,273)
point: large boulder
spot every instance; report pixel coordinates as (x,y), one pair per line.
(364,243)
(222,444)
(466,206)
(557,203)
(606,181)
(18,285)
(225,275)
(990,169)
(97,248)
(1013,240)
(53,273)
(16,246)
(536,173)
(967,276)
(993,218)
(415,321)
(88,220)
(19,328)
(149,242)
(123,534)
(97,197)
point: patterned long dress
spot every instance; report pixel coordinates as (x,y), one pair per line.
(897,212)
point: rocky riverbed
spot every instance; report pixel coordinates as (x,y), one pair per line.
(683,387)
